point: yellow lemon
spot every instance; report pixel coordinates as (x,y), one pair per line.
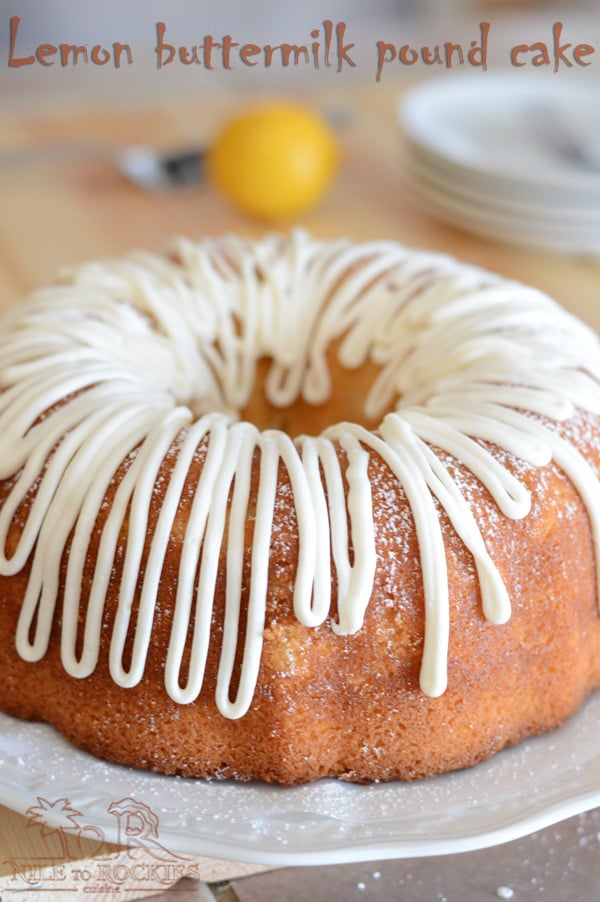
(274,161)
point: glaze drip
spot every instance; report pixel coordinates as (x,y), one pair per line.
(132,358)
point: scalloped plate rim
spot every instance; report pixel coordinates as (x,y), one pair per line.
(483,823)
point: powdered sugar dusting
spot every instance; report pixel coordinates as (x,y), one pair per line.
(479,387)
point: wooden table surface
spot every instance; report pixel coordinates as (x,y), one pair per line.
(61,212)
(55,211)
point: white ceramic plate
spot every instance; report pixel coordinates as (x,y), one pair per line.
(543,233)
(523,789)
(526,219)
(498,186)
(488,196)
(485,125)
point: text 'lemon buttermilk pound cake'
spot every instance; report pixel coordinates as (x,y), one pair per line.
(288,509)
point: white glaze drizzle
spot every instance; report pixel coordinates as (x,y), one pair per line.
(156,353)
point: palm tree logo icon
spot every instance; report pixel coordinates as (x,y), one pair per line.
(69,830)
(69,840)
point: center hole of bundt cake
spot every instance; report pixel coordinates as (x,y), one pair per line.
(349,390)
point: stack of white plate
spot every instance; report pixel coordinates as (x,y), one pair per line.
(482,155)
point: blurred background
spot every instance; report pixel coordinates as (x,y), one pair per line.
(63,129)
(261,22)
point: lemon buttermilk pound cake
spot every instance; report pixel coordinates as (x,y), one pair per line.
(287,508)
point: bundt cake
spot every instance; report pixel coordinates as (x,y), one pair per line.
(289,509)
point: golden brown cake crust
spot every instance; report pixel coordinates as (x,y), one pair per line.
(328,701)
(351,706)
